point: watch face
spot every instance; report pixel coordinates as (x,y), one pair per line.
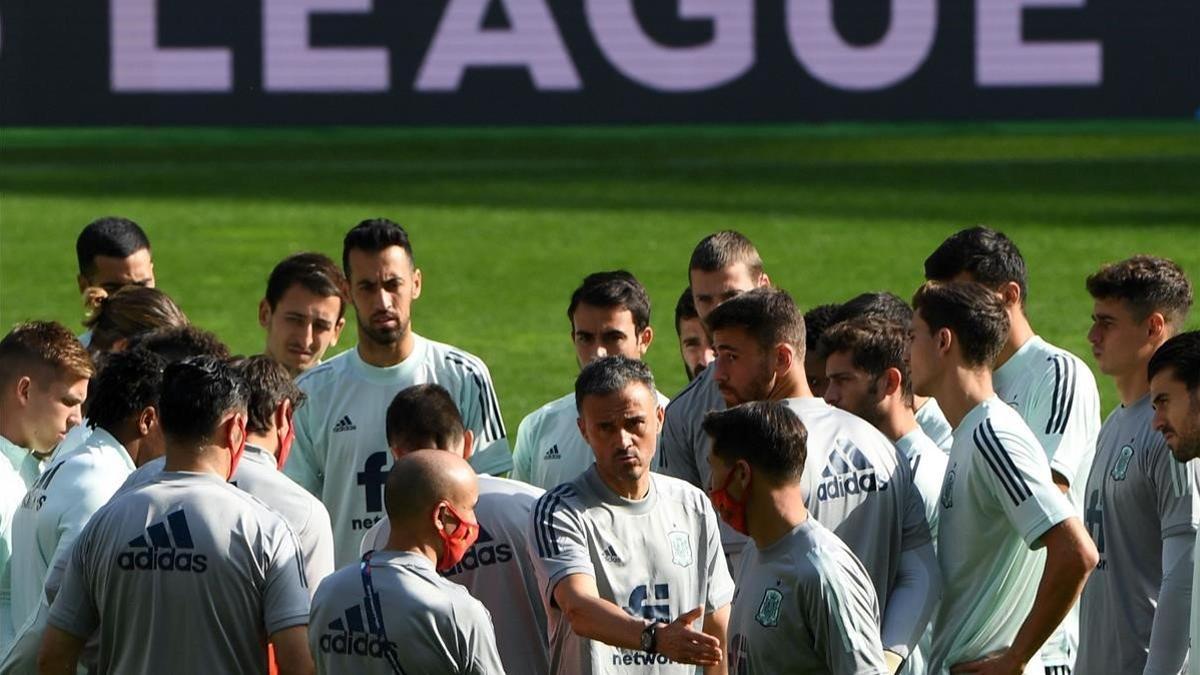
(648,638)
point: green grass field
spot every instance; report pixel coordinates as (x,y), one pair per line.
(506,222)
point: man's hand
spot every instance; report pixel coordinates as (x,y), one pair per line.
(1000,663)
(680,643)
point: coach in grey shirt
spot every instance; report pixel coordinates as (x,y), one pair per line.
(630,561)
(273,397)
(392,613)
(177,574)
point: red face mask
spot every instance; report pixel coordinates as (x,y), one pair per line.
(456,544)
(731,510)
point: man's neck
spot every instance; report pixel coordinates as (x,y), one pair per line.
(792,384)
(962,390)
(1019,332)
(10,431)
(1132,384)
(400,541)
(897,419)
(629,489)
(782,512)
(265,442)
(195,460)
(383,355)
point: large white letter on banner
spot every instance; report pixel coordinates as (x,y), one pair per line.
(290,64)
(140,65)
(677,69)
(531,41)
(821,49)
(1004,59)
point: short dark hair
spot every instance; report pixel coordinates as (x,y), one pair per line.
(180,342)
(196,393)
(1148,284)
(374,235)
(766,434)
(424,416)
(875,344)
(990,257)
(44,346)
(685,309)
(724,249)
(110,236)
(617,288)
(127,312)
(268,385)
(315,272)
(768,314)
(1182,355)
(130,382)
(816,321)
(972,311)
(882,304)
(610,375)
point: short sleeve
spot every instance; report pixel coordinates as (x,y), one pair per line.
(915,529)
(306,462)
(842,613)
(720,583)
(1017,475)
(74,610)
(91,486)
(523,450)
(484,655)
(1175,488)
(676,455)
(285,593)
(558,542)
(1065,415)
(317,546)
(480,408)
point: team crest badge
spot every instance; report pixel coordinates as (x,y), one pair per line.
(948,490)
(768,611)
(681,548)
(1121,466)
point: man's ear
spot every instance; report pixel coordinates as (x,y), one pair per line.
(892,381)
(416,284)
(1156,326)
(764,281)
(282,417)
(337,331)
(944,338)
(24,383)
(1011,292)
(147,420)
(264,312)
(644,340)
(468,443)
(785,356)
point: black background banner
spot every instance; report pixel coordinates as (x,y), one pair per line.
(593,61)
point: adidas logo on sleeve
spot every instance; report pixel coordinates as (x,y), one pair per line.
(164,547)
(344,424)
(610,555)
(552,453)
(349,635)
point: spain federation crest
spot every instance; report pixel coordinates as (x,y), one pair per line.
(681,548)
(768,610)
(1121,466)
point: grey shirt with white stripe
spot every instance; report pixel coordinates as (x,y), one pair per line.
(204,571)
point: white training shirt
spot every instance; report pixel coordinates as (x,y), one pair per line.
(400,618)
(56,508)
(1055,393)
(341,452)
(499,572)
(656,558)
(18,470)
(997,501)
(550,449)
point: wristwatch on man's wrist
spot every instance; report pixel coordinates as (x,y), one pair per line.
(650,638)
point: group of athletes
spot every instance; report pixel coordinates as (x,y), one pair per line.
(873,486)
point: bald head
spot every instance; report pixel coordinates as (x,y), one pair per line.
(421,479)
